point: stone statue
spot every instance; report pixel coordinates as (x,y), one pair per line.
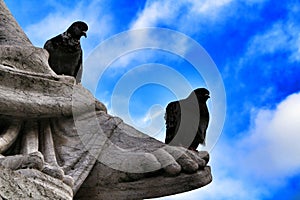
(58,142)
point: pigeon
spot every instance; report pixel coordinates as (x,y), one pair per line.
(65,53)
(187,120)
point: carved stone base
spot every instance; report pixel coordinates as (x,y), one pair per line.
(147,187)
(31,184)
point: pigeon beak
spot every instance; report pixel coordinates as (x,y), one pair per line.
(84,34)
(207,95)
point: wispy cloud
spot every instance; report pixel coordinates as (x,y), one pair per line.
(94,13)
(272,146)
(207,7)
(176,14)
(267,155)
(283,36)
(153,12)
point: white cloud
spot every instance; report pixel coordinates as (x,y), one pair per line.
(225,188)
(282,36)
(270,41)
(184,15)
(272,149)
(208,7)
(153,12)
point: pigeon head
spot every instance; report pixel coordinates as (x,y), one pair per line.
(202,94)
(78,29)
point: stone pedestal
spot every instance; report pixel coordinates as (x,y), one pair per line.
(150,187)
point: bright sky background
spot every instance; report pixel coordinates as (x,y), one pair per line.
(254,43)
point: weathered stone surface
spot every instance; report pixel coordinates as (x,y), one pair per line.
(24,94)
(98,185)
(11,33)
(31,184)
(33,160)
(106,183)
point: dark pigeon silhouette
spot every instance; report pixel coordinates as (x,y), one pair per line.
(187,120)
(65,53)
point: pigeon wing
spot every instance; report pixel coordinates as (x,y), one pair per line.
(53,43)
(203,123)
(172,118)
(78,69)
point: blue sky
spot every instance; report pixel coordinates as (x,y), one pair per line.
(255,45)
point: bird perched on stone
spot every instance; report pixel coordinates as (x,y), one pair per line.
(187,120)
(65,53)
